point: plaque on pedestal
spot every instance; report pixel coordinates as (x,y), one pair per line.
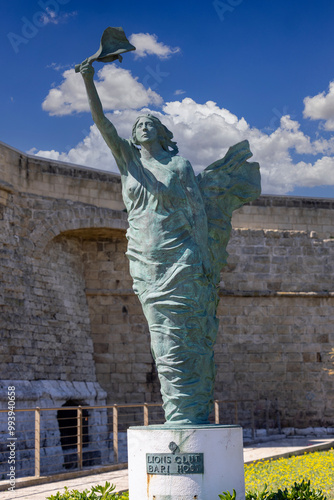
(185,462)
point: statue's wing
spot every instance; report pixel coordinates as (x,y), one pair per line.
(226,185)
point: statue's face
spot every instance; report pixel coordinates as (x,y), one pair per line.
(146,130)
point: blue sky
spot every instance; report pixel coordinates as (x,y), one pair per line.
(215,72)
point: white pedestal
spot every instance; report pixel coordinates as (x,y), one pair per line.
(185,462)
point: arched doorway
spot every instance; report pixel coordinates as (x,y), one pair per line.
(68,428)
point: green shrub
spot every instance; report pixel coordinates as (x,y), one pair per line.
(299,491)
(227,495)
(105,492)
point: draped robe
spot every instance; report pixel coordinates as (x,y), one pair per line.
(179,226)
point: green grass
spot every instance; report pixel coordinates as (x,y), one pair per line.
(318,467)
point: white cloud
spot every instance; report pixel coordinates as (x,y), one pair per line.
(52,17)
(116,86)
(321,107)
(91,151)
(205,131)
(322,170)
(147,44)
(58,66)
(179,92)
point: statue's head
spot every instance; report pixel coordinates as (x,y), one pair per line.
(164,136)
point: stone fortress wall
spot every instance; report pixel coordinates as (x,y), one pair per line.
(70,323)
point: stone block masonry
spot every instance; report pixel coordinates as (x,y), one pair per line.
(268,261)
(288,213)
(68,314)
(123,360)
(67,308)
(276,331)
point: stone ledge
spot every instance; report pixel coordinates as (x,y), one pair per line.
(106,292)
(6,186)
(221,293)
(269,293)
(293,201)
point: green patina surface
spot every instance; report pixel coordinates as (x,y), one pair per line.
(179,227)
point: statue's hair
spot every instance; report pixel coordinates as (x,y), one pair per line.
(165,136)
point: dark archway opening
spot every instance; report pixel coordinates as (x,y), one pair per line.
(68,427)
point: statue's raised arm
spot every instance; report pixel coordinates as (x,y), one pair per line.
(108,131)
(106,128)
(113,44)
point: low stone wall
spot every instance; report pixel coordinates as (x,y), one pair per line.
(47,178)
(54,457)
(288,213)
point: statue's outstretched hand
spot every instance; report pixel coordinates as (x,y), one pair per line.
(85,68)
